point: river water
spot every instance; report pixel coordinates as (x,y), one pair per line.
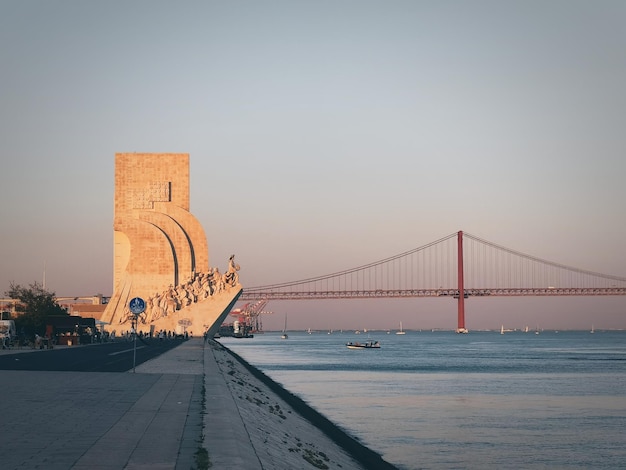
(432,400)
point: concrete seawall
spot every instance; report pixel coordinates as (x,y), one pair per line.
(283,430)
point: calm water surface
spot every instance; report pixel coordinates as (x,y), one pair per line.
(482,400)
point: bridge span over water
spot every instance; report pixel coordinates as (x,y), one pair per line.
(458,266)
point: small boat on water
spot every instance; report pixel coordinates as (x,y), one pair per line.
(401,331)
(284,335)
(370,344)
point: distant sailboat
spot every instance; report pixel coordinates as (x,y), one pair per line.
(502,330)
(401,332)
(592,330)
(284,335)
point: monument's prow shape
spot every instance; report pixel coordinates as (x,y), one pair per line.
(161,252)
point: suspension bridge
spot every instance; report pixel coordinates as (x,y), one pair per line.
(458,266)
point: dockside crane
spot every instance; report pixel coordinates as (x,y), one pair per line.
(249,315)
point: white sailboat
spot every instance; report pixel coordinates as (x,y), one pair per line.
(502,330)
(401,331)
(592,329)
(284,335)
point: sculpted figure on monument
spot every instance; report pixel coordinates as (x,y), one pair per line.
(169,303)
(197,288)
(231,277)
(128,316)
(181,295)
(219,280)
(157,310)
(190,293)
(148,312)
(205,286)
(153,308)
(212,281)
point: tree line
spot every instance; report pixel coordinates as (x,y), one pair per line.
(35,305)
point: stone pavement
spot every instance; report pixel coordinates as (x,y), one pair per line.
(101,420)
(196,397)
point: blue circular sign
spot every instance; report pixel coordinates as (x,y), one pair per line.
(137,305)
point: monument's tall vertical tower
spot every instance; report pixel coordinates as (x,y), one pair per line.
(160,249)
(152,215)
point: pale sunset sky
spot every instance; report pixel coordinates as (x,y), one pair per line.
(323,135)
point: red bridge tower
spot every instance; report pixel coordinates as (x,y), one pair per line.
(461,315)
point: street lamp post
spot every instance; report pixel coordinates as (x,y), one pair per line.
(134,341)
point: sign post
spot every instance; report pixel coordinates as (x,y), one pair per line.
(137,306)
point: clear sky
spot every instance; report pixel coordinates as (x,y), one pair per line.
(323,135)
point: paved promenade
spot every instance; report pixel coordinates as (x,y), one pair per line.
(194,399)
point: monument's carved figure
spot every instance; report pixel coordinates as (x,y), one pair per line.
(161,252)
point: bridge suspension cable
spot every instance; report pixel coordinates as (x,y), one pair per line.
(433,270)
(416,272)
(492,266)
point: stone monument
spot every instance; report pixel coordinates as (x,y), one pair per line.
(160,252)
